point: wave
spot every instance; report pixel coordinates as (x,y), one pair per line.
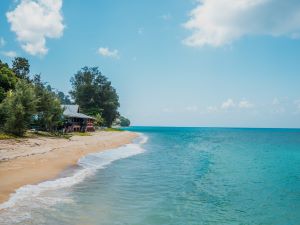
(102,159)
(88,165)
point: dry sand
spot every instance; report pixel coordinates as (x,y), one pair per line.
(31,161)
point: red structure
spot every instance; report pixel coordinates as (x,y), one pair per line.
(76,121)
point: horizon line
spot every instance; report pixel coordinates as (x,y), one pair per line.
(229,127)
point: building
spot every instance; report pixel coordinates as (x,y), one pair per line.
(76,121)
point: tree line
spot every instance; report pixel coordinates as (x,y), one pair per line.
(28,102)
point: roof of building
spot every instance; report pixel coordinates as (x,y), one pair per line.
(73,111)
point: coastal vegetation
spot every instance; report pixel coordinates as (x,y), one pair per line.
(26,102)
(113,129)
(95,95)
(18,108)
(124,122)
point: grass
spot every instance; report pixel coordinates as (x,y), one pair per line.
(34,134)
(6,136)
(113,129)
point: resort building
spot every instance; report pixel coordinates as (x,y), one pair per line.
(76,121)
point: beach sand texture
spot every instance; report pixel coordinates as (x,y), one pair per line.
(31,161)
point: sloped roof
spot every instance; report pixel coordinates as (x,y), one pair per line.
(73,111)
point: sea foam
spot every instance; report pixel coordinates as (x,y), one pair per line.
(36,195)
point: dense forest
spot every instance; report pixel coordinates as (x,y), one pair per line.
(27,102)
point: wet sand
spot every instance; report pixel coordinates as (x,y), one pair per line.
(31,161)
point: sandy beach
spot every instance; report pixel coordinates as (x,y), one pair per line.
(31,161)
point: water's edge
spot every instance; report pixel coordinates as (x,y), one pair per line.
(86,166)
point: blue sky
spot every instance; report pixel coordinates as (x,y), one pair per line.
(178,63)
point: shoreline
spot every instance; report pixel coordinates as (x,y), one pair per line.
(32,161)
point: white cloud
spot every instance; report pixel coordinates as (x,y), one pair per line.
(212,109)
(167,110)
(106,52)
(279,105)
(297,104)
(245,104)
(10,54)
(2,42)
(35,20)
(220,22)
(192,108)
(229,103)
(275,101)
(278,110)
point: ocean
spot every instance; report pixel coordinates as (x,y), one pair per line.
(173,176)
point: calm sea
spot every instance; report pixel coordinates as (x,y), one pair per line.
(174,176)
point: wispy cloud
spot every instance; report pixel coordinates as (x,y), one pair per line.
(166,16)
(167,110)
(34,21)
(279,105)
(228,104)
(140,30)
(10,54)
(2,42)
(275,101)
(212,109)
(244,104)
(106,52)
(297,104)
(191,108)
(217,23)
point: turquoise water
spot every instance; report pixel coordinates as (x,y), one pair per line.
(175,176)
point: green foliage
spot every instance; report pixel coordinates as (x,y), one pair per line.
(113,129)
(18,109)
(8,80)
(110,104)
(64,99)
(25,102)
(99,120)
(94,94)
(2,93)
(124,122)
(49,111)
(4,136)
(21,68)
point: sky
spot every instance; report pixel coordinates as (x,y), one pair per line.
(220,63)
